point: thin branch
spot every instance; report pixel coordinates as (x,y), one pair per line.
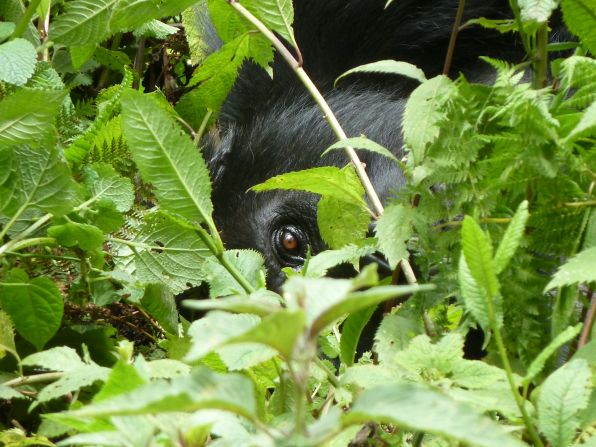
(588,321)
(453,39)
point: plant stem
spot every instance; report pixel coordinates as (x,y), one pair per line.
(37,378)
(453,39)
(332,377)
(588,321)
(20,28)
(329,116)
(31,229)
(509,373)
(541,58)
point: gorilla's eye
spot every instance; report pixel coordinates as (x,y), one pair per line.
(290,244)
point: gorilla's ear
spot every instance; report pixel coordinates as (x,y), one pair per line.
(216,150)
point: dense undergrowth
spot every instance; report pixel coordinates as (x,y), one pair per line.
(102,224)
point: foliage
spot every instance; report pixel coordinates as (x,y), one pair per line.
(106,216)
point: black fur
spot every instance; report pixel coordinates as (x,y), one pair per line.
(271,126)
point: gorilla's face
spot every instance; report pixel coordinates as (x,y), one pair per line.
(290,136)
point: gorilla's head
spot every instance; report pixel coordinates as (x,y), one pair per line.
(291,135)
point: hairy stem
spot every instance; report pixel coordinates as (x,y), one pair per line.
(588,321)
(453,39)
(541,58)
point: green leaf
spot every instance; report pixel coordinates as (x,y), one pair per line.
(131,14)
(394,335)
(74,380)
(580,268)
(586,125)
(538,363)
(580,18)
(84,22)
(216,76)
(341,184)
(203,389)
(325,300)
(512,238)
(350,333)
(362,143)
(18,58)
(248,262)
(262,303)
(390,67)
(165,252)
(393,230)
(45,180)
(6,29)
(28,115)
(424,113)
(216,329)
(475,298)
(477,250)
(341,222)
(421,409)
(159,302)
(277,15)
(278,331)
(60,358)
(74,234)
(562,396)
(167,159)
(35,306)
(537,11)
(122,379)
(319,265)
(103,182)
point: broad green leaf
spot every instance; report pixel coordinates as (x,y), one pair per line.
(351,332)
(45,179)
(341,222)
(341,184)
(18,58)
(389,67)
(165,252)
(167,158)
(278,331)
(7,393)
(35,306)
(325,300)
(477,250)
(216,76)
(84,22)
(160,303)
(277,15)
(475,298)
(13,11)
(60,358)
(122,379)
(580,18)
(580,268)
(74,380)
(362,143)
(537,11)
(6,29)
(538,363)
(261,303)
(394,334)
(27,115)
(155,29)
(562,396)
(129,15)
(425,410)
(249,263)
(103,182)
(512,238)
(81,54)
(74,234)
(215,329)
(319,265)
(393,230)
(423,114)
(203,389)
(586,126)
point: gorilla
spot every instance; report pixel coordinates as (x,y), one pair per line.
(270,126)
